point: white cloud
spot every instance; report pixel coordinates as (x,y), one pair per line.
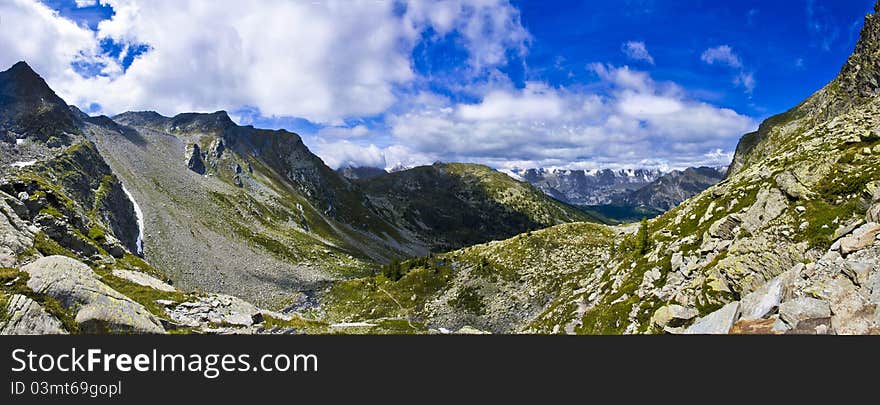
(641,123)
(344,153)
(637,50)
(86,3)
(33,32)
(323,61)
(724,55)
(721,54)
(746,80)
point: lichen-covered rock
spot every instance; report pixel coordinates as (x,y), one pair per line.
(803,308)
(769,204)
(765,299)
(791,186)
(26,317)
(98,308)
(673,316)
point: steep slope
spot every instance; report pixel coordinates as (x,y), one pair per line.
(263,219)
(451,205)
(67,265)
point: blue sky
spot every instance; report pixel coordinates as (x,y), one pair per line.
(633,83)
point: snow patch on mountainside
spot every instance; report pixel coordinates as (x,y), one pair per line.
(140,220)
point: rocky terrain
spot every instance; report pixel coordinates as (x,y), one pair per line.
(142,223)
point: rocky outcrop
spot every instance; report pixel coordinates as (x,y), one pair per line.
(194,158)
(769,204)
(860,238)
(26,317)
(859,77)
(803,309)
(98,308)
(16,235)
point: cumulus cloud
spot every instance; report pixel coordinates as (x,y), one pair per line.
(86,3)
(322,61)
(33,32)
(343,153)
(640,123)
(637,50)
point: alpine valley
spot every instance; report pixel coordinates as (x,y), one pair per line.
(142,223)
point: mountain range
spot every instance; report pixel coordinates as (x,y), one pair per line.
(142,223)
(622,195)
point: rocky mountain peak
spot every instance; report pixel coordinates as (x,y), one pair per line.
(860,76)
(30,108)
(209,123)
(21,83)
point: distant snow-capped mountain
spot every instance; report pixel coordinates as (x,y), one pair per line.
(587,187)
(650,188)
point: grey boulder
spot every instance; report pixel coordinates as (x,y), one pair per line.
(98,308)
(718,322)
(802,309)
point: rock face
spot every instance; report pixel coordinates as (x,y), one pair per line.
(194,158)
(98,308)
(83,176)
(27,317)
(16,236)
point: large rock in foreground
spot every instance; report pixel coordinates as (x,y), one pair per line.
(27,317)
(98,308)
